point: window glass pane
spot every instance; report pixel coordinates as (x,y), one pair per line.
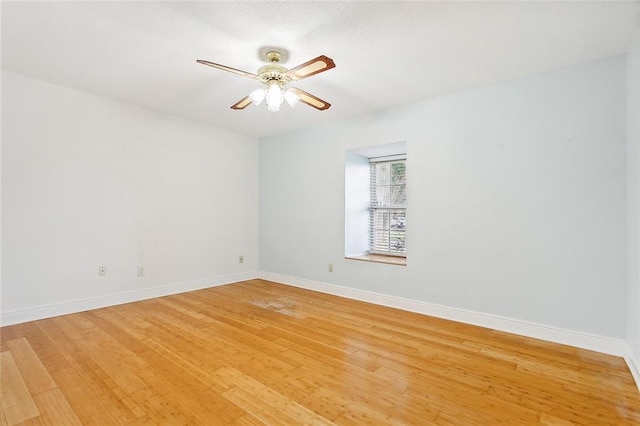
(398,196)
(383,197)
(389,184)
(381,220)
(398,219)
(396,242)
(383,175)
(398,174)
(388,233)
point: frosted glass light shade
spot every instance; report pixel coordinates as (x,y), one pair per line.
(291,98)
(274,96)
(257,96)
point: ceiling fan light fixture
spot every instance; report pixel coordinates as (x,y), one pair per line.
(274,96)
(257,96)
(291,97)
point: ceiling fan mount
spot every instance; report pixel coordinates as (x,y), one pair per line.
(268,54)
(273,56)
(275,77)
(273,71)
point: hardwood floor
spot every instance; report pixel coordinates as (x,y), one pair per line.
(262,353)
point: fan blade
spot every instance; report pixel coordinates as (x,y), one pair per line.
(226,68)
(312,67)
(311,100)
(242,103)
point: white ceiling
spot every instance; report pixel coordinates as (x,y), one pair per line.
(386,53)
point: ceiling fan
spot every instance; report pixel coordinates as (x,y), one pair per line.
(275,77)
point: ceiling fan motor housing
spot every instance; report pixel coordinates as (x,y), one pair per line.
(272,72)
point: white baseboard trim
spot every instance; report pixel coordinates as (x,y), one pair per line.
(633,366)
(48,311)
(617,347)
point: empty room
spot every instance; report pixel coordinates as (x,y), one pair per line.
(283,213)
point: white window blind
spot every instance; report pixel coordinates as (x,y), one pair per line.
(388,208)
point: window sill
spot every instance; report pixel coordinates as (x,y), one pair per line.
(391,260)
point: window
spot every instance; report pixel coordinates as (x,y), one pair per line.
(388,206)
(376,203)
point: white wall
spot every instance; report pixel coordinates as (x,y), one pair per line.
(633,196)
(516,200)
(356,200)
(88,181)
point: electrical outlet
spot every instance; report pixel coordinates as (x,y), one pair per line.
(140,271)
(331,267)
(102,271)
(241,259)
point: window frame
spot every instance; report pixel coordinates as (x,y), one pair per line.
(382,213)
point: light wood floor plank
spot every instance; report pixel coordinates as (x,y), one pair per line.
(31,368)
(3,418)
(257,352)
(262,402)
(17,403)
(43,346)
(86,404)
(55,409)
(100,385)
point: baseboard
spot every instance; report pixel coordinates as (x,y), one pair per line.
(617,347)
(48,311)
(633,366)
